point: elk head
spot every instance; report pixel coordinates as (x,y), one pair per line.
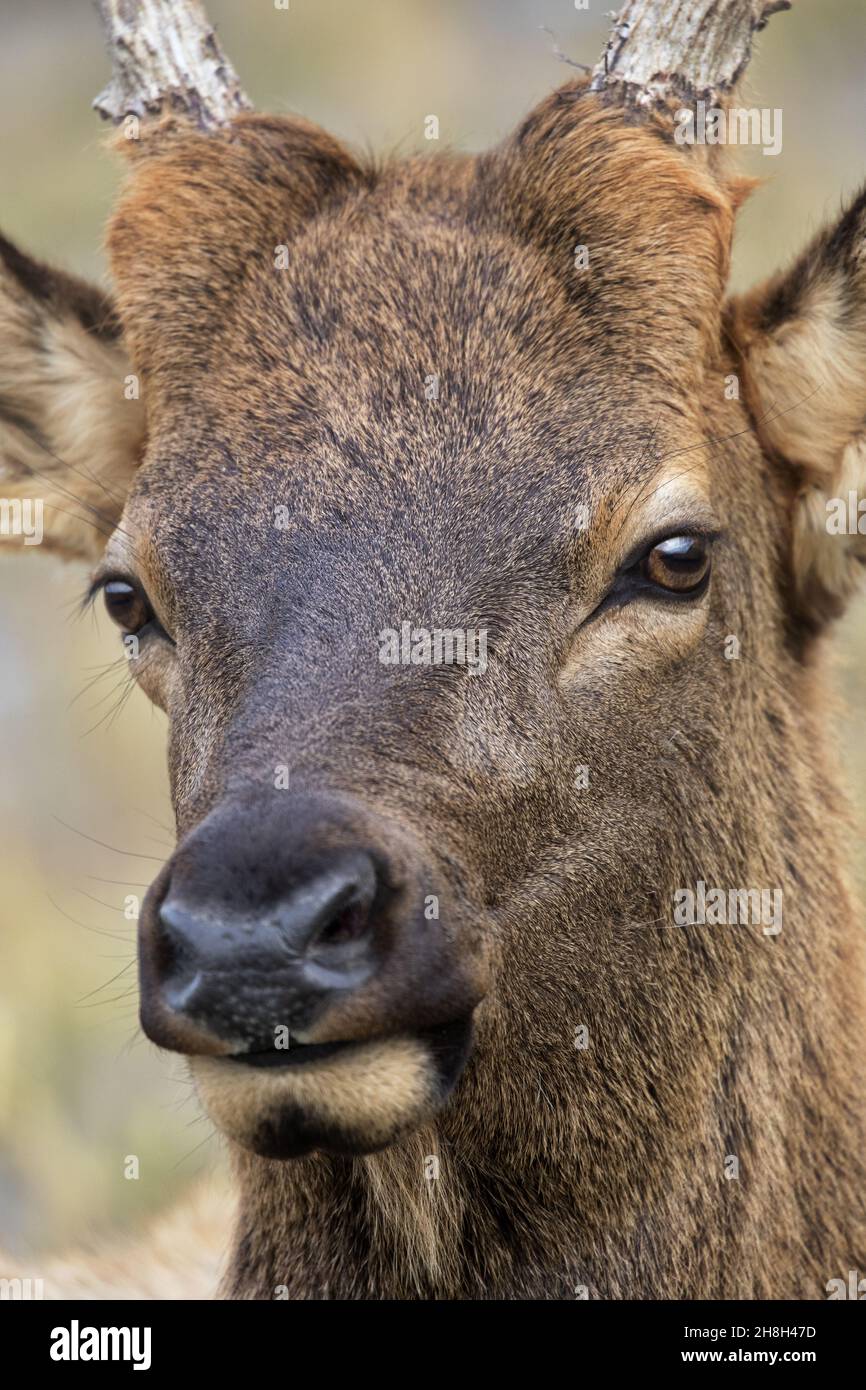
(479,400)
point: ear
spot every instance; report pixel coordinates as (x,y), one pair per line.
(637,227)
(71,423)
(197,212)
(802,341)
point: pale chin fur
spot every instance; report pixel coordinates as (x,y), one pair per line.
(367,1096)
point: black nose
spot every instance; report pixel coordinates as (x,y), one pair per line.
(243,969)
(310,920)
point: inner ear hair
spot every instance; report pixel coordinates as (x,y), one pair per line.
(801,339)
(71,420)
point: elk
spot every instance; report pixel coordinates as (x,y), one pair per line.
(510,1072)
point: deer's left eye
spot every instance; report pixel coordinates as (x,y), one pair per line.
(679,564)
(127,605)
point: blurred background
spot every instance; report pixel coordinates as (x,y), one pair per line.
(84,812)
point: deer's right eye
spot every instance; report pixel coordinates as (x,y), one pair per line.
(127,605)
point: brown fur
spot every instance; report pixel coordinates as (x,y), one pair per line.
(559,1169)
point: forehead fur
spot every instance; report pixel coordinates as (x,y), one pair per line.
(419,260)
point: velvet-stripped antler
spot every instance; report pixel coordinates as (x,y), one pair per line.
(684,50)
(166,57)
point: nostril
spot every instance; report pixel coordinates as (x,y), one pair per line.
(348,924)
(332,923)
(178,957)
(179,943)
(172,946)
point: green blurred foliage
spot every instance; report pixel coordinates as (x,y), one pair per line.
(80,1089)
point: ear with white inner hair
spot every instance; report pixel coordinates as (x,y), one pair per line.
(801,337)
(71,421)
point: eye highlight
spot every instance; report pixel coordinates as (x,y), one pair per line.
(678,564)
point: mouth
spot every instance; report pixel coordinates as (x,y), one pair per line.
(352,1097)
(295,1055)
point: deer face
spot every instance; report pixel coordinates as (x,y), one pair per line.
(446,514)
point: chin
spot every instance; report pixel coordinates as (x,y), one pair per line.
(336,1098)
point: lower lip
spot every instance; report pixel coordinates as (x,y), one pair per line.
(298,1056)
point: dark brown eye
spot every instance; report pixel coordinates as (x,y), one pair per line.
(680,564)
(126,605)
